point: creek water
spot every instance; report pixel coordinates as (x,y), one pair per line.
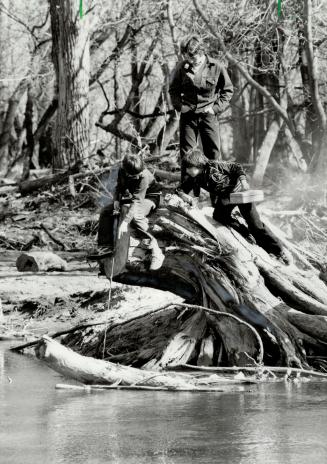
(272,423)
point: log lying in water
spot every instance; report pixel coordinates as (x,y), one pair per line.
(90,371)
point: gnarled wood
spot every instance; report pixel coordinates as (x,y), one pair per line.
(212,265)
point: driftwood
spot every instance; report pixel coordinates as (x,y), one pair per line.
(40,261)
(214,266)
(90,371)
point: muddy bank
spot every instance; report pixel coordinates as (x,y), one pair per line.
(43,302)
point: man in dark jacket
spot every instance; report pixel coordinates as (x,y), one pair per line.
(137,188)
(200,89)
(220,179)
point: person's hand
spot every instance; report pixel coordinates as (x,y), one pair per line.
(209,109)
(244,185)
(123,228)
(116,205)
(185,109)
(187,198)
(194,202)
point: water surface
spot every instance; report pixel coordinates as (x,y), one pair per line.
(273,424)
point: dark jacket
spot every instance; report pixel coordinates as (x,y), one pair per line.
(218,177)
(134,189)
(213,86)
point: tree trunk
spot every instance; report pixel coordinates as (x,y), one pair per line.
(214,266)
(71,60)
(319,140)
(4,68)
(241,142)
(28,123)
(9,123)
(166,134)
(265,152)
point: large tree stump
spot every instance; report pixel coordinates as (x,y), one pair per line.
(214,266)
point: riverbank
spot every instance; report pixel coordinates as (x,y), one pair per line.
(53,220)
(45,302)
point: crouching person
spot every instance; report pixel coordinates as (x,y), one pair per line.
(220,179)
(137,188)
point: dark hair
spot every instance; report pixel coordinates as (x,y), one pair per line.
(194,158)
(191,45)
(133,164)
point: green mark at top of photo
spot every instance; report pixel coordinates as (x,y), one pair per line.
(81,9)
(279,7)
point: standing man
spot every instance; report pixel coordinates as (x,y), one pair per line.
(200,89)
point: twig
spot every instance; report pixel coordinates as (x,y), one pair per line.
(54,239)
(260,369)
(56,334)
(61,386)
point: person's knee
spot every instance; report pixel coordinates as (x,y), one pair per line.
(140,222)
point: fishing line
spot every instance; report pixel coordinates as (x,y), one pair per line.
(108,305)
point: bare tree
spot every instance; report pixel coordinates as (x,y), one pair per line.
(70,36)
(319,135)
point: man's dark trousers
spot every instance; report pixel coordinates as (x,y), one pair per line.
(192,125)
(205,125)
(262,234)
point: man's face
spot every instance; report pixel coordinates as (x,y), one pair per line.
(193,171)
(194,59)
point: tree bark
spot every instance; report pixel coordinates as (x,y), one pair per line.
(265,152)
(9,123)
(28,123)
(71,60)
(319,141)
(241,142)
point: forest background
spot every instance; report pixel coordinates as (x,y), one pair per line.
(81,81)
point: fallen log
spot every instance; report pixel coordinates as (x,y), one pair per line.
(28,186)
(90,371)
(40,261)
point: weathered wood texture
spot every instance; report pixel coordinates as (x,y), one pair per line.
(89,370)
(214,266)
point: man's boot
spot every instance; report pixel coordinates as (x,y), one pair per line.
(100,253)
(157,257)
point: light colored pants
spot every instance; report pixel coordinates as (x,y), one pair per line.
(140,222)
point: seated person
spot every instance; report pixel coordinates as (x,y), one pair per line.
(137,188)
(221,178)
